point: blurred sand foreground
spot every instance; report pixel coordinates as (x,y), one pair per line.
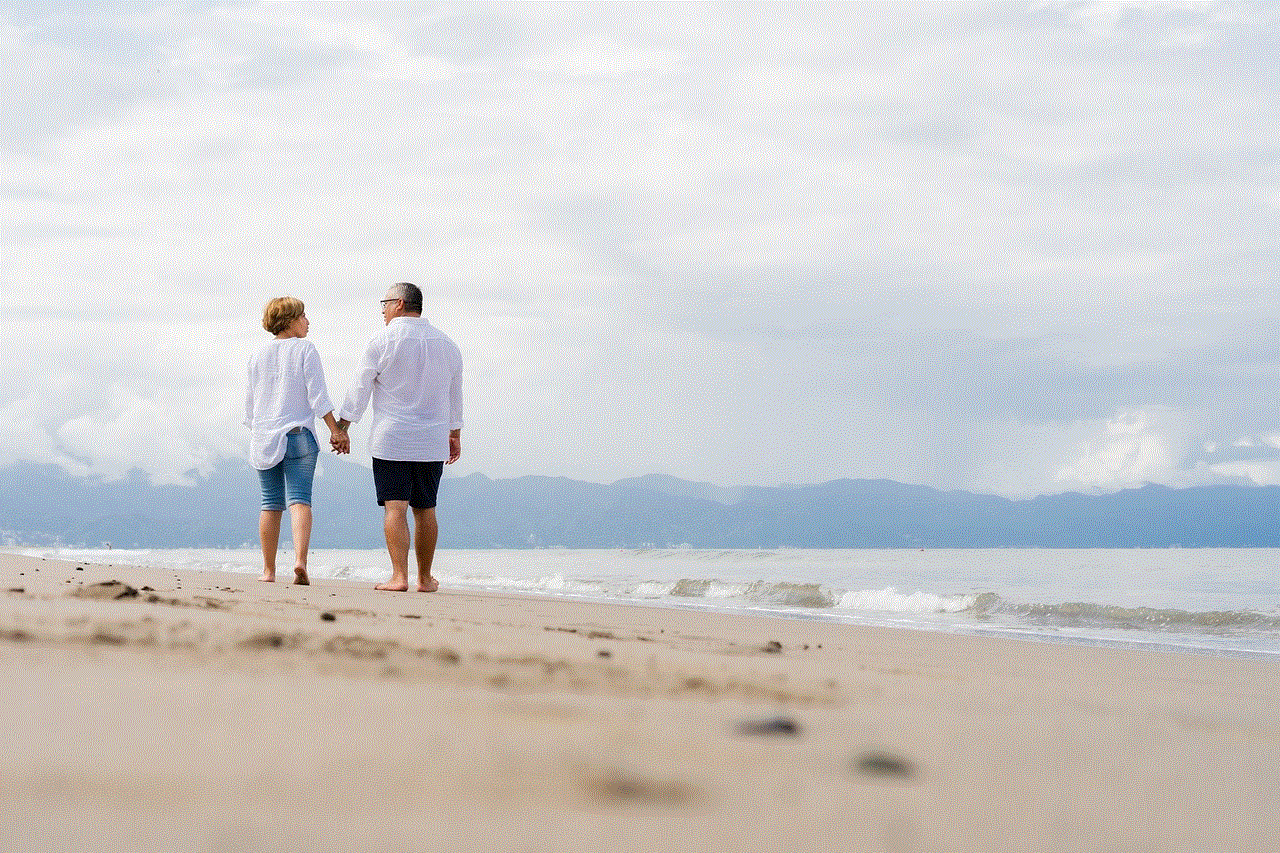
(198,711)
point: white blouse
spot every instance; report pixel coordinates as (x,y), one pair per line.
(285,389)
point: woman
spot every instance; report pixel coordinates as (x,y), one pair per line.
(285,394)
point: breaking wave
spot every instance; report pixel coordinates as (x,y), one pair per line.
(1114,616)
(806,595)
(982,608)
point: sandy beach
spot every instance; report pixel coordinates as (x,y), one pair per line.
(163,710)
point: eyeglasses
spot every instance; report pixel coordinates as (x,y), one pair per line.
(383,302)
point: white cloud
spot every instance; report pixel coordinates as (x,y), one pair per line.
(746,244)
(1136,448)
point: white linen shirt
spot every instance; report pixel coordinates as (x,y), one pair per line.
(285,389)
(413,374)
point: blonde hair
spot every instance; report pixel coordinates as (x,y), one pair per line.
(280,313)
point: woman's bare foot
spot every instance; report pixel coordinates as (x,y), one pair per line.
(300,576)
(430,586)
(268,577)
(393,586)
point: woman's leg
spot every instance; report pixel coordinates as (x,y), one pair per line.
(300,518)
(269,535)
(299,472)
(272,482)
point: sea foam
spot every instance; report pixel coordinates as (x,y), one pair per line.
(891,601)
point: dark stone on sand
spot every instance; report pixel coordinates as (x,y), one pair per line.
(79,568)
(327,617)
(772,727)
(106,591)
(773,647)
(147,589)
(16,589)
(604,653)
(883,765)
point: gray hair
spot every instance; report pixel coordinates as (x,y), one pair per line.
(411,295)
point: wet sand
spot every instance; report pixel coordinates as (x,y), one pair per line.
(158,710)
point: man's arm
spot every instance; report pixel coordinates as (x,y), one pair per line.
(357,399)
(455,408)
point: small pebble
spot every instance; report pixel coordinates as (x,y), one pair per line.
(604,653)
(327,617)
(773,647)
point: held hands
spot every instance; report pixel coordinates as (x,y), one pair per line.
(339,441)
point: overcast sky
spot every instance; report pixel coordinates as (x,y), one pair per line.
(1014,248)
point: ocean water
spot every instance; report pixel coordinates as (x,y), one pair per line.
(1215,601)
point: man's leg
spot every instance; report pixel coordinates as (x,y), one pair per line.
(269,534)
(425,531)
(395,524)
(300,520)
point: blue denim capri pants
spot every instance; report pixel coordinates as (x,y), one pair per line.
(289,480)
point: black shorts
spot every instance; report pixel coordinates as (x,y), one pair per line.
(415,482)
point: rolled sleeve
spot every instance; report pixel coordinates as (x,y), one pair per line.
(248,397)
(357,399)
(455,401)
(317,393)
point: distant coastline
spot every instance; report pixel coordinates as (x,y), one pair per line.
(44,505)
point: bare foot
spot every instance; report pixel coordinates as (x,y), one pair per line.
(430,586)
(268,577)
(300,576)
(392,586)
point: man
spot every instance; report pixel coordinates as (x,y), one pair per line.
(413,374)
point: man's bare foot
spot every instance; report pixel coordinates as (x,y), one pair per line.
(430,586)
(268,577)
(393,586)
(300,576)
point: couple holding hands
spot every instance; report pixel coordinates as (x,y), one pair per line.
(411,373)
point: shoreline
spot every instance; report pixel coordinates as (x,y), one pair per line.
(1167,627)
(207,710)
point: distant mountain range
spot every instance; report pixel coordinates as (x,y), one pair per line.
(44,505)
